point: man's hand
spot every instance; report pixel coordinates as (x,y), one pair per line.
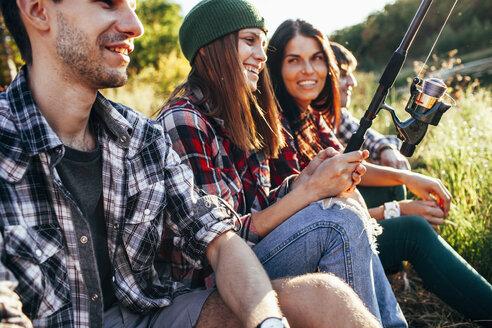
(393,158)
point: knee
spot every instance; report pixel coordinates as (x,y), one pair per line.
(322,298)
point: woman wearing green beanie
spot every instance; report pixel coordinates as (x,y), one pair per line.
(224,123)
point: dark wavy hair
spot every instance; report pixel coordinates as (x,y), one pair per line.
(328,101)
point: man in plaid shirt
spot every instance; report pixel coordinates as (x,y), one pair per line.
(87,187)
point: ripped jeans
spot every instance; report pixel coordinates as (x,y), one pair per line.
(332,238)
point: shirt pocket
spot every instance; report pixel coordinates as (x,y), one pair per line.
(35,255)
(143,227)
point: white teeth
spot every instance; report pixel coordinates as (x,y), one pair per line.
(253,69)
(123,51)
(307,83)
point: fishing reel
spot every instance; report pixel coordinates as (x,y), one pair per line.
(426,106)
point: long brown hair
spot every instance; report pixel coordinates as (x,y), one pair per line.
(328,101)
(251,118)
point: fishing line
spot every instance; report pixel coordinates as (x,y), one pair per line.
(435,41)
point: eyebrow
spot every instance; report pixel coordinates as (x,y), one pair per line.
(296,55)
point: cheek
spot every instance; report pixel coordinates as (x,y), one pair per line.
(288,75)
(322,71)
(242,51)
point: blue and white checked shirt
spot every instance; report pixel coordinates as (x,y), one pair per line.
(145,189)
(374,140)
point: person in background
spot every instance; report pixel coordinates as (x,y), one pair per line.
(223,122)
(304,74)
(87,186)
(383,149)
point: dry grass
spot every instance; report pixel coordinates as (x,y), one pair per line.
(422,308)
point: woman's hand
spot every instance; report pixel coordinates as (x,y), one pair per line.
(428,209)
(429,188)
(331,173)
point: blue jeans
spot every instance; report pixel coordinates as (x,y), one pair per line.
(332,240)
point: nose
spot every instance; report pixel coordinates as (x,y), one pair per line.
(260,54)
(128,22)
(351,81)
(307,68)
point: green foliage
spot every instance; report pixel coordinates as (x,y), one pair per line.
(468,29)
(161,21)
(458,152)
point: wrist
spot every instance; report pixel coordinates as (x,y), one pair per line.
(391,210)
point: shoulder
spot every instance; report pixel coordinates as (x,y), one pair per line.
(6,122)
(12,154)
(183,113)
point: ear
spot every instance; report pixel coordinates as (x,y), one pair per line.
(34,13)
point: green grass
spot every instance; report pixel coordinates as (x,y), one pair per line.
(458,152)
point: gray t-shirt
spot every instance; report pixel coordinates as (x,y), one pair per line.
(81,174)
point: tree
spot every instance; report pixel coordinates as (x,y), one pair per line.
(161,21)
(7,65)
(468,29)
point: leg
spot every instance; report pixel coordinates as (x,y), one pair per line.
(443,270)
(315,300)
(376,196)
(329,240)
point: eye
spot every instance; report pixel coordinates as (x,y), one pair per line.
(319,57)
(107,3)
(292,60)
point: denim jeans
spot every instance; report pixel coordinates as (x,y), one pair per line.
(335,240)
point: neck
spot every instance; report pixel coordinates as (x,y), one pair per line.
(65,105)
(303,105)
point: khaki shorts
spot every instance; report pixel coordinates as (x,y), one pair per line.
(182,313)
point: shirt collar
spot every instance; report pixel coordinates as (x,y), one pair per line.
(33,135)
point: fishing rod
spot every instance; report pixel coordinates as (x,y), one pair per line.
(425,104)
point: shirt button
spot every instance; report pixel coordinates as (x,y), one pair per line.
(147,211)
(58,150)
(95,297)
(120,172)
(39,253)
(116,226)
(208,204)
(123,139)
(84,239)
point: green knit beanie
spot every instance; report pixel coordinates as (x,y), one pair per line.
(212,19)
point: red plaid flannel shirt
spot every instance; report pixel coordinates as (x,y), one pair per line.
(240,177)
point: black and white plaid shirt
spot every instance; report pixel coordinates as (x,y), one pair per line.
(145,189)
(374,140)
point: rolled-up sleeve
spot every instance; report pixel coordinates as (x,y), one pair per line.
(196,219)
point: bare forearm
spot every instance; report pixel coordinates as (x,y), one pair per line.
(268,219)
(383,176)
(241,280)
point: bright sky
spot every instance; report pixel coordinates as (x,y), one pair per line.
(327,15)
